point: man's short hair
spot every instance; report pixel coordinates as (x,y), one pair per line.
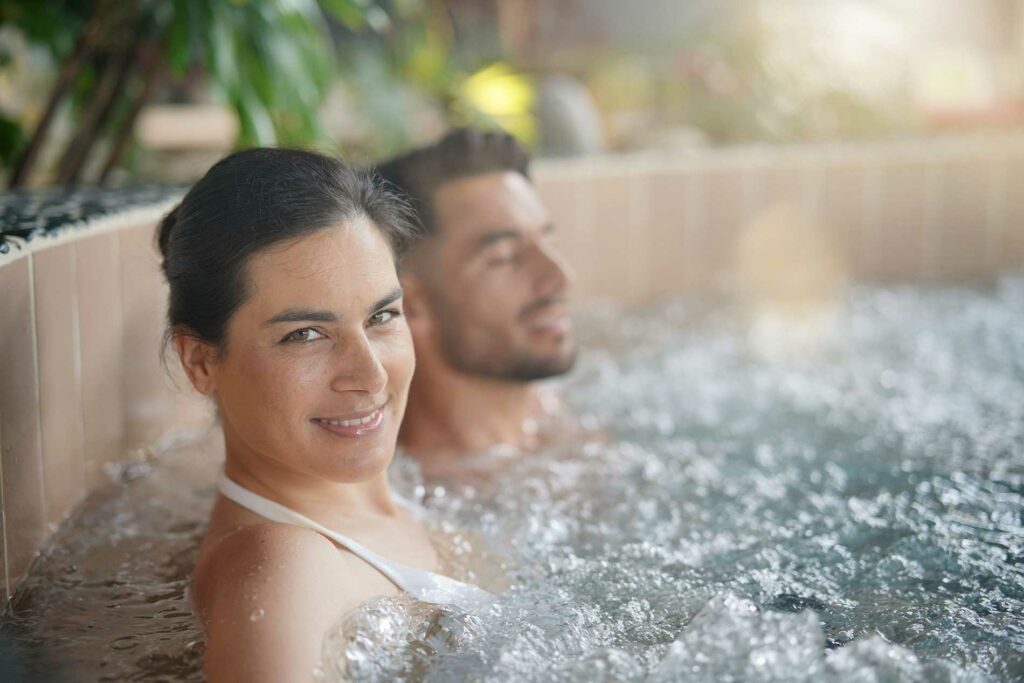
(463,152)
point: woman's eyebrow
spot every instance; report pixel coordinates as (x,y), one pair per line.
(305,315)
(297,315)
(390,298)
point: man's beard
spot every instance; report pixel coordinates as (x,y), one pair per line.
(497,361)
(512,366)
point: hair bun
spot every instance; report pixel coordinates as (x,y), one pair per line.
(167,225)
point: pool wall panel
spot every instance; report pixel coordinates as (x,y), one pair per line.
(20,447)
(964,223)
(145,389)
(1013,237)
(673,207)
(3,549)
(60,379)
(101,328)
(615,236)
(840,185)
(730,190)
(895,239)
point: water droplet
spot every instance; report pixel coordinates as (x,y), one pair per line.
(256,614)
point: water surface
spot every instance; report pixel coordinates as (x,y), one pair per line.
(838,497)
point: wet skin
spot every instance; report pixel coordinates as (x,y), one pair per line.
(311,385)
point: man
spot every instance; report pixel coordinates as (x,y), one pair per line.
(485,297)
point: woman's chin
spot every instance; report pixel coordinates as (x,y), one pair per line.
(358,465)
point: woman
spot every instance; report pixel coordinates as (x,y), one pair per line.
(285,308)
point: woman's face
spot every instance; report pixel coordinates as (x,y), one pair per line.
(317,362)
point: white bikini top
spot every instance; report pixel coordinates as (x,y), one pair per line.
(420,584)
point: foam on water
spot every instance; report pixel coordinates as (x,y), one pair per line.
(757,501)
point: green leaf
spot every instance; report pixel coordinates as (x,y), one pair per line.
(257,126)
(180,39)
(349,12)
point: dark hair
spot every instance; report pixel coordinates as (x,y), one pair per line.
(248,201)
(462,152)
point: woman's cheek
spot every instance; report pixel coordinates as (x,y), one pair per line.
(285,383)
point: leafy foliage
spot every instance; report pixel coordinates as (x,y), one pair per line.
(270,60)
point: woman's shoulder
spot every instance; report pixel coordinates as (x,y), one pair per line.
(264,601)
(248,543)
(266,594)
(269,554)
(281,561)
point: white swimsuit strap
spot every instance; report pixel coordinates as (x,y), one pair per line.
(276,512)
(421,584)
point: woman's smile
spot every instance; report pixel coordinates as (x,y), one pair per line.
(354,425)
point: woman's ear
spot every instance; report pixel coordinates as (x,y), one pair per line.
(198,358)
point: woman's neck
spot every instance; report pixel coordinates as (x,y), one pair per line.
(308,494)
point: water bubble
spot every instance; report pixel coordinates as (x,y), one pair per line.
(257,614)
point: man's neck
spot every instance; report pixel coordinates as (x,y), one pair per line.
(456,414)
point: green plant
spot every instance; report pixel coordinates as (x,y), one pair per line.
(270,60)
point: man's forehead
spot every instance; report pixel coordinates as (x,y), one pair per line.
(476,204)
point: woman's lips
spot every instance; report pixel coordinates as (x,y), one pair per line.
(357,425)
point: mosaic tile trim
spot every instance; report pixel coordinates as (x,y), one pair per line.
(32,214)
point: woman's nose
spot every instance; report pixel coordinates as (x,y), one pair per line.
(358,366)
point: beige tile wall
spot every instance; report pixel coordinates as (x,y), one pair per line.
(60,379)
(639,227)
(81,382)
(1012,215)
(100,330)
(20,448)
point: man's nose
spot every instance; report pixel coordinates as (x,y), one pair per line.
(554,275)
(358,366)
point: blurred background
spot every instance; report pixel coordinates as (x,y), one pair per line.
(124,91)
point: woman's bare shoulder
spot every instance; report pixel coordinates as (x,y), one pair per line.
(263,549)
(266,594)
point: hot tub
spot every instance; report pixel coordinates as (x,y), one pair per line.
(793,477)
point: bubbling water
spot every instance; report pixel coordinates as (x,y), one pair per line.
(107,600)
(750,509)
(753,501)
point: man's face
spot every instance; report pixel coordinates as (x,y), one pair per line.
(495,283)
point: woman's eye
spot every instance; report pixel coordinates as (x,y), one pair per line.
(306,334)
(383,317)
